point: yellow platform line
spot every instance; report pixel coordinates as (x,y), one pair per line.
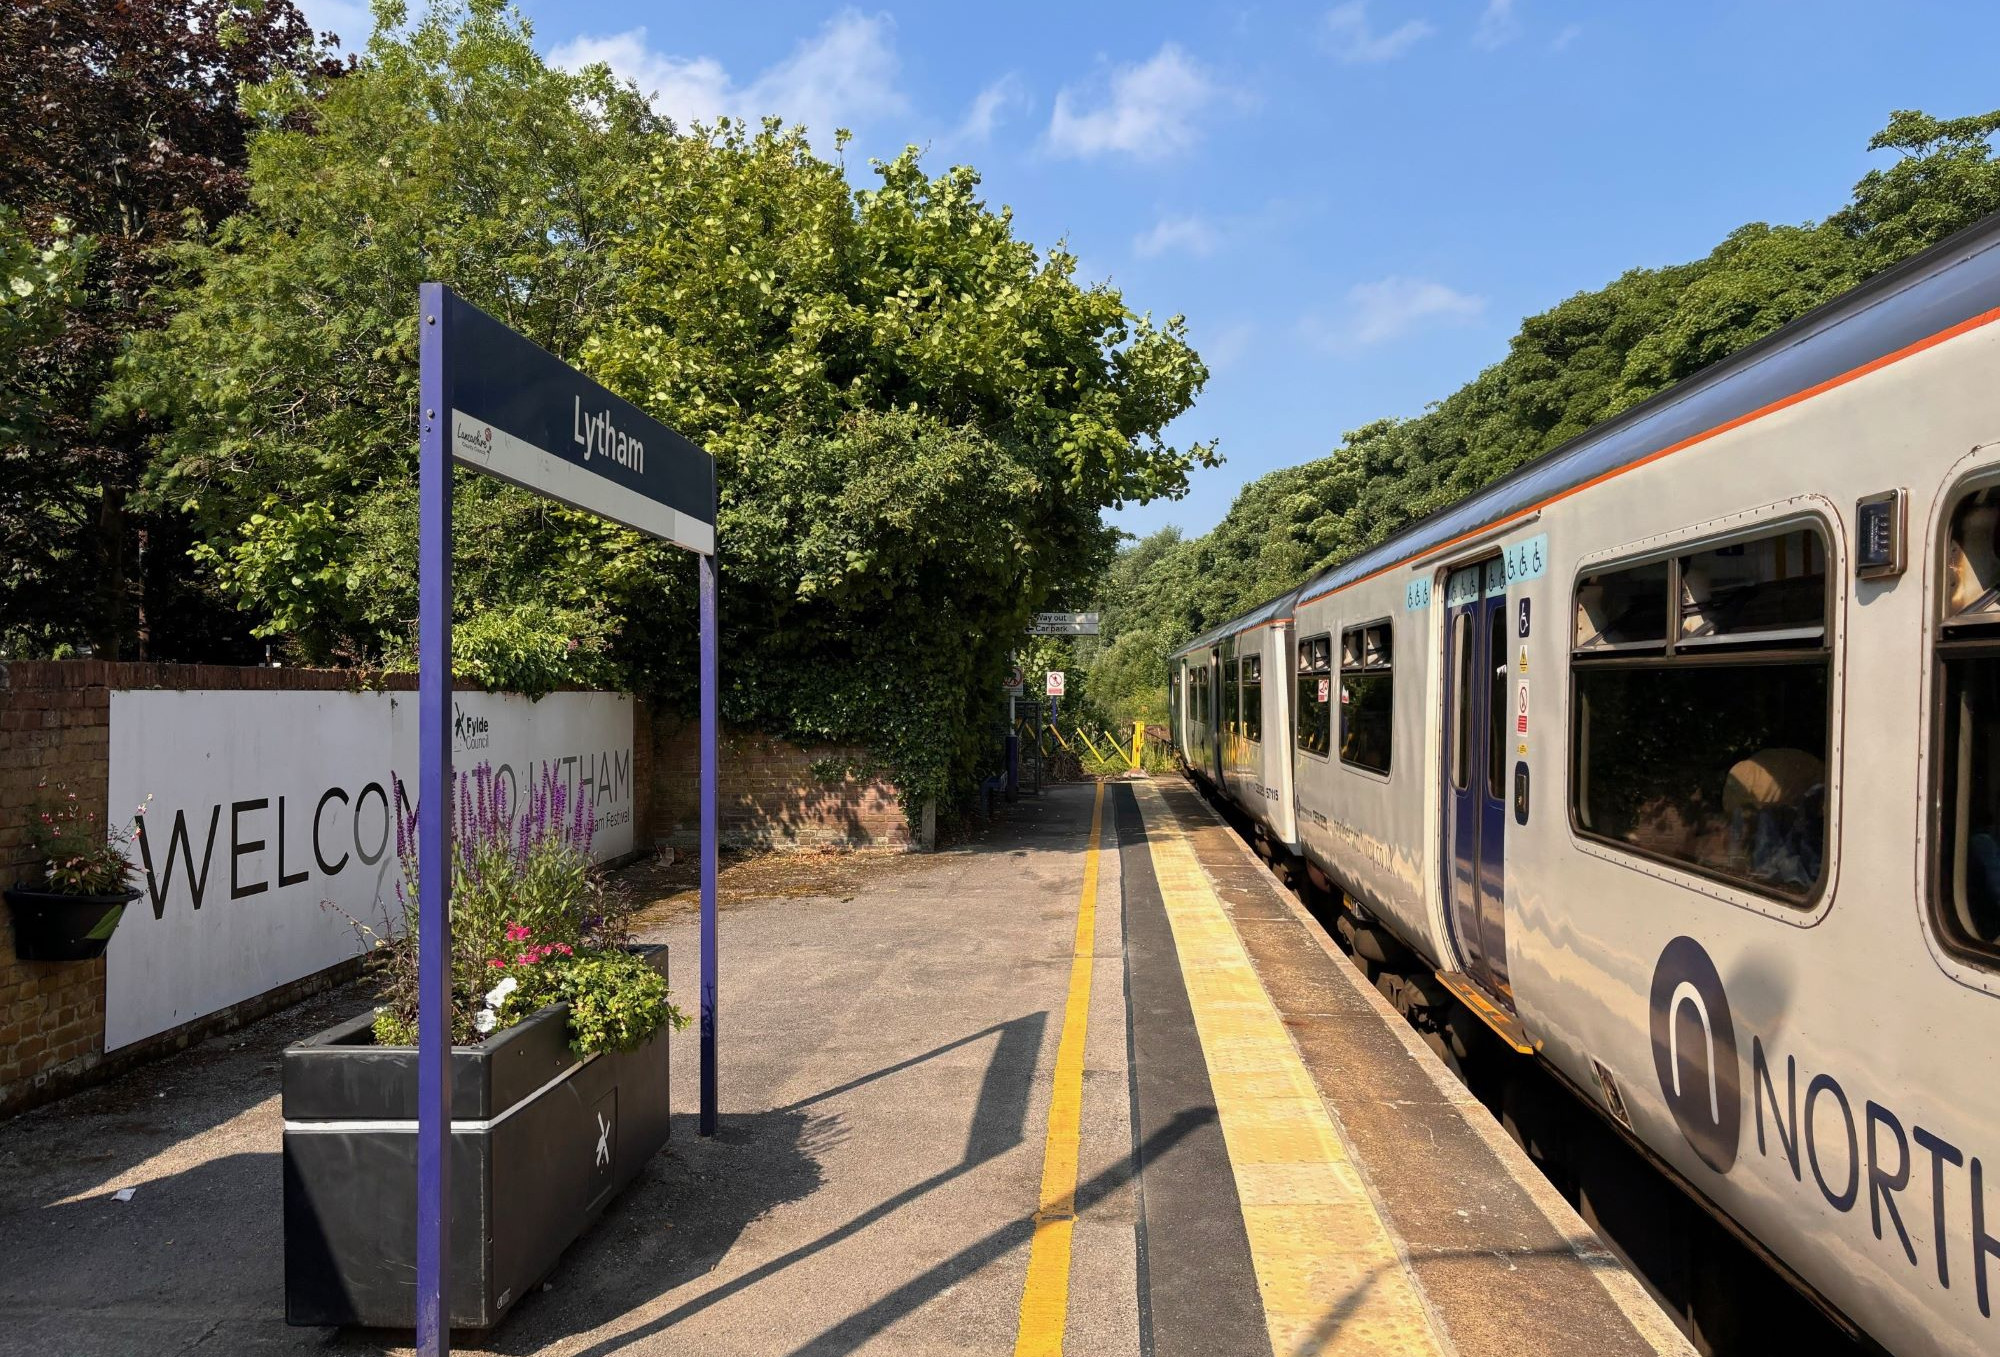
(1330,1276)
(1045,1296)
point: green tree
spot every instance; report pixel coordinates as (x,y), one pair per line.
(917,417)
(122,121)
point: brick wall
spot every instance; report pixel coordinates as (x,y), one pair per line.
(55,725)
(769,794)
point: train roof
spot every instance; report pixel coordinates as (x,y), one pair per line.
(1952,283)
(1272,608)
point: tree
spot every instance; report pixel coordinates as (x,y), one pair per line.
(917,417)
(122,121)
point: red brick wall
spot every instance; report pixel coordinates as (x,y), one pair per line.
(769,793)
(55,724)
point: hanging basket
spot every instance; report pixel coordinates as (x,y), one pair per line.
(52,926)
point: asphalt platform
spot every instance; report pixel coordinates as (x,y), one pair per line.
(1092,1083)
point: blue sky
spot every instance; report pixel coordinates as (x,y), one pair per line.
(1353,203)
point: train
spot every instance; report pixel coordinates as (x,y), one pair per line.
(1673,756)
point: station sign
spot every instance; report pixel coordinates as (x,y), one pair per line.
(520,413)
(1063,624)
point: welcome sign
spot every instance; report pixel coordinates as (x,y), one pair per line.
(271,826)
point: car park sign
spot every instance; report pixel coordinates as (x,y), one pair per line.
(1063,624)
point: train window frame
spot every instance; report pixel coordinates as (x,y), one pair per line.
(1952,635)
(1364,659)
(1313,666)
(1251,713)
(1232,697)
(1580,654)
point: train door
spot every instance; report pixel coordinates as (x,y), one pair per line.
(1217,723)
(1478,715)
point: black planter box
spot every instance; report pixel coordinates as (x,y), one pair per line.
(541,1140)
(52,926)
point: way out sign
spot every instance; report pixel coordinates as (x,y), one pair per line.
(494,400)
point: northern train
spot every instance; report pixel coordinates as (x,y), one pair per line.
(1674,756)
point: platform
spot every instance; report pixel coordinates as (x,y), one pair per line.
(1091,1083)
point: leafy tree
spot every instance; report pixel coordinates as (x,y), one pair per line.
(122,121)
(1569,368)
(916,416)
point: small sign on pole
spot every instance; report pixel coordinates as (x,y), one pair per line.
(1063,624)
(1053,683)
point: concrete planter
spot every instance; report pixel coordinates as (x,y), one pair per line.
(541,1141)
(53,926)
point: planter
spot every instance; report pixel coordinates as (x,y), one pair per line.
(541,1140)
(52,926)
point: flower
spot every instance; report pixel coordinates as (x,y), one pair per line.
(498,994)
(485,1020)
(498,963)
(518,932)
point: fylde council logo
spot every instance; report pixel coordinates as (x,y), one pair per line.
(1694,1052)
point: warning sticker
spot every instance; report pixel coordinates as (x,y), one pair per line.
(1325,689)
(1524,659)
(1521,707)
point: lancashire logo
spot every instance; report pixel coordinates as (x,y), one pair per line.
(1694,1052)
(480,440)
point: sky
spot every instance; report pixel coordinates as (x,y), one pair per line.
(1354,203)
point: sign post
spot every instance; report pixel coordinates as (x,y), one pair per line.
(492,399)
(1064,624)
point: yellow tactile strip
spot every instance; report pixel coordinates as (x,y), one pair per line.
(1330,1277)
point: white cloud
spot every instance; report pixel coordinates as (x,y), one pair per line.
(1355,42)
(1228,347)
(1498,25)
(1378,312)
(1153,111)
(991,107)
(844,76)
(1569,35)
(1191,235)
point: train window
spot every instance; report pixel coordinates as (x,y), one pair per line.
(1367,696)
(1315,694)
(1253,698)
(1622,609)
(1770,591)
(1229,698)
(1700,711)
(1967,877)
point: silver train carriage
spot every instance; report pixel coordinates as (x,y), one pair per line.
(1676,752)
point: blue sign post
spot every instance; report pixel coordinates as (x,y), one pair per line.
(494,400)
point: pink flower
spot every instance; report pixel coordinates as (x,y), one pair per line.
(518,932)
(563,947)
(498,963)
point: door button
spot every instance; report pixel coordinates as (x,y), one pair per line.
(1521,792)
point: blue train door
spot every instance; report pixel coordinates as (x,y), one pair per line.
(1478,719)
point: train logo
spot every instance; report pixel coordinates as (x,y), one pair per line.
(1694,1052)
